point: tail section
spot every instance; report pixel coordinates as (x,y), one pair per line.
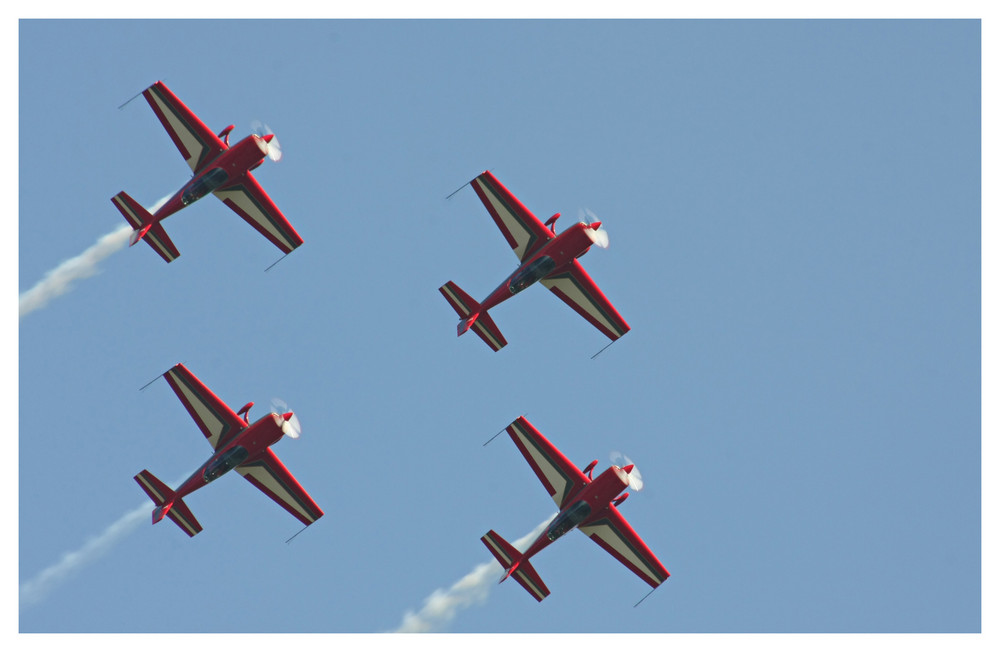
(167,503)
(472,317)
(145,227)
(515,565)
(466,307)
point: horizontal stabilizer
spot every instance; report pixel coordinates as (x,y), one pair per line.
(144,227)
(158,492)
(463,304)
(167,503)
(472,318)
(515,565)
(488,332)
(182,516)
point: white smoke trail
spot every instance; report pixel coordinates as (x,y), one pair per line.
(59,280)
(32,591)
(441,606)
(35,589)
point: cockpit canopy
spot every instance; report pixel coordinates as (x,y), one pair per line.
(533,272)
(227,462)
(568,520)
(206,184)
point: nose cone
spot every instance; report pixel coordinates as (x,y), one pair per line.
(628,469)
(268,138)
(595,225)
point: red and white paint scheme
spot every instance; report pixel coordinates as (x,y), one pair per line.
(545,257)
(584,502)
(218,169)
(239,445)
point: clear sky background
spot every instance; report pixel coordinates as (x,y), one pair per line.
(794,215)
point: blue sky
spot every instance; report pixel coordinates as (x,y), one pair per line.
(794,215)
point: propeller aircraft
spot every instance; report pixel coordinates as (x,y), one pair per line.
(218,168)
(545,257)
(239,445)
(586,503)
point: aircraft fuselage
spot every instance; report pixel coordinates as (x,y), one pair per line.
(558,252)
(226,169)
(589,504)
(245,447)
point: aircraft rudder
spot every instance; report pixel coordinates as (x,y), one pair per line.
(465,324)
(138,234)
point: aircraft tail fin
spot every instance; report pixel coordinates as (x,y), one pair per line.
(167,503)
(472,317)
(515,565)
(145,227)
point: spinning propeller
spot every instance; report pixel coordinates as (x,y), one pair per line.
(265,132)
(600,235)
(634,477)
(290,424)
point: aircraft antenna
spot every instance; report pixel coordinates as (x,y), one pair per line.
(459,188)
(504,428)
(462,186)
(495,436)
(643,598)
(122,106)
(602,350)
(152,381)
(300,532)
(277,261)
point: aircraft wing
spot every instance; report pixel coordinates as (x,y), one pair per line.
(613,533)
(250,202)
(575,287)
(196,142)
(270,476)
(524,232)
(560,477)
(218,423)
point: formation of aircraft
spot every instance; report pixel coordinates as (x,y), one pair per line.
(218,168)
(545,257)
(237,444)
(586,503)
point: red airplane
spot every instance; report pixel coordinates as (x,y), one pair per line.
(238,445)
(585,503)
(218,169)
(544,257)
